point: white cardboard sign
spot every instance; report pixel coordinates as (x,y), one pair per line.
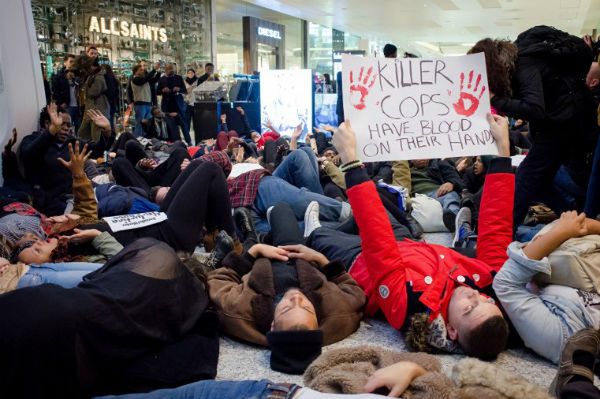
(134,221)
(415,108)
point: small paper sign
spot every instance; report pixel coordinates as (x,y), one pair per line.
(134,221)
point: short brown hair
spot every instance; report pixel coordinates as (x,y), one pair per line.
(487,340)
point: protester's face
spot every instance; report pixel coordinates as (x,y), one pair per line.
(478,167)
(209,69)
(92,53)
(156,112)
(161,194)
(190,74)
(69,62)
(329,154)
(39,252)
(143,66)
(592,79)
(169,69)
(518,122)
(255,136)
(65,129)
(420,163)
(293,310)
(467,310)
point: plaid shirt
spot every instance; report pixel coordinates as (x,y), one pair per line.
(242,189)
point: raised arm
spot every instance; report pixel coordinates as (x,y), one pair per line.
(496,211)
(383,259)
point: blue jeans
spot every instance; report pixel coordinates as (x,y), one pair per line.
(272,190)
(300,169)
(450,202)
(142,111)
(75,113)
(67,275)
(207,389)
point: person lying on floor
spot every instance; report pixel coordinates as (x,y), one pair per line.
(548,312)
(440,296)
(104,336)
(21,275)
(285,295)
(347,373)
(43,245)
(295,181)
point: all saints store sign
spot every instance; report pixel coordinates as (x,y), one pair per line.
(116,27)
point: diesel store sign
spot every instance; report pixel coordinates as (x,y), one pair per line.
(113,26)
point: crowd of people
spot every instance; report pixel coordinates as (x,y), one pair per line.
(289,244)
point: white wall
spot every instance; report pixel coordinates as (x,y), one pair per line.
(22,95)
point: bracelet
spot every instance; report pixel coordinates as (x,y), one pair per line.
(351,165)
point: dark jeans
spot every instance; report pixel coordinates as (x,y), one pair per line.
(198,198)
(580,390)
(75,113)
(300,169)
(164,175)
(173,124)
(536,173)
(188,118)
(335,245)
(284,227)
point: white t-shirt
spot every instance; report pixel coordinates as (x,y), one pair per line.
(241,168)
(307,393)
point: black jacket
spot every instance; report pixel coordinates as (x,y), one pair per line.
(60,88)
(39,152)
(442,172)
(104,336)
(172,102)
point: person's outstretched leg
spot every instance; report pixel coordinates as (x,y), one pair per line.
(299,169)
(134,151)
(272,190)
(335,245)
(125,175)
(198,197)
(166,173)
(284,227)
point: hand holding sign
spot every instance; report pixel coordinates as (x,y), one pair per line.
(344,140)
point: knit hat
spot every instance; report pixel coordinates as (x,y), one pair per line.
(293,351)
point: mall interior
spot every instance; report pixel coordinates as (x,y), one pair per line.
(300,199)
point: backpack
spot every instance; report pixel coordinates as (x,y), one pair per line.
(566,60)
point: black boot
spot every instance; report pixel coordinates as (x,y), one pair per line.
(243,221)
(223,245)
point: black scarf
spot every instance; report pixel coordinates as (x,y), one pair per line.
(192,80)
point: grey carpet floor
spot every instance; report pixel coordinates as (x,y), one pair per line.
(239,361)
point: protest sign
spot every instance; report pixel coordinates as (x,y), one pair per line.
(134,221)
(414,108)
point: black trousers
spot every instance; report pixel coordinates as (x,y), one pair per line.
(284,226)
(163,175)
(535,176)
(580,390)
(197,199)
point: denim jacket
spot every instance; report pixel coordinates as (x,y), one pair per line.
(544,320)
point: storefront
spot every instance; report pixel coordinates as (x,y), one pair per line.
(124,31)
(264,45)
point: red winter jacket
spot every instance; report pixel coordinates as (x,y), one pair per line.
(385,266)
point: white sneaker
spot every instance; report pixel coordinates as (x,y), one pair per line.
(311,218)
(346,212)
(269,214)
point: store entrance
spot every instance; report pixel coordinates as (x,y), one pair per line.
(267,57)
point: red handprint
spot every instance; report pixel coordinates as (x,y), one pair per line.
(473,102)
(360,89)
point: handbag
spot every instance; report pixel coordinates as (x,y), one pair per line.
(539,214)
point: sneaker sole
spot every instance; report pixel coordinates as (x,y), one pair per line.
(307,215)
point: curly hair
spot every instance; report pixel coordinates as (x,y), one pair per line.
(500,57)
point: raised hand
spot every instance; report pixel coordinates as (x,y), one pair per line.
(468,101)
(223,118)
(77,159)
(241,110)
(499,130)
(359,89)
(344,140)
(56,119)
(11,141)
(99,119)
(297,132)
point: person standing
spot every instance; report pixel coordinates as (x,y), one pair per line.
(191,82)
(173,88)
(209,74)
(65,89)
(139,94)
(95,89)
